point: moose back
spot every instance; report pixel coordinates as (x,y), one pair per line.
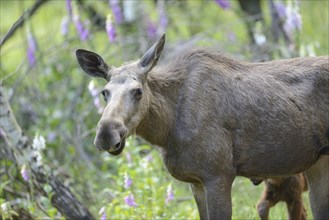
(214,118)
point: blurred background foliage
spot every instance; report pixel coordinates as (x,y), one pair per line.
(51,96)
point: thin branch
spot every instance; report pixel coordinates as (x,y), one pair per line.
(19,23)
(61,196)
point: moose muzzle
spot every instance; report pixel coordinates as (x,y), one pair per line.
(110,136)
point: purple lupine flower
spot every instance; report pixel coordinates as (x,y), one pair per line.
(231,36)
(293,21)
(116,10)
(224,4)
(110,30)
(296,20)
(94,93)
(103,217)
(98,105)
(151,30)
(51,136)
(163,19)
(102,212)
(127,181)
(280,9)
(69,7)
(130,200)
(149,158)
(65,26)
(129,159)
(25,173)
(83,32)
(31,49)
(170,194)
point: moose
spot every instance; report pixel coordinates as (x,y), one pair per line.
(287,189)
(215,118)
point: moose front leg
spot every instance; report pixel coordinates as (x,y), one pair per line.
(318,179)
(218,197)
(200,198)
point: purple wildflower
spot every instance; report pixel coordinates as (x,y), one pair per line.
(69,7)
(83,33)
(280,9)
(149,158)
(231,36)
(170,194)
(102,212)
(116,10)
(94,93)
(224,4)
(151,30)
(65,26)
(296,20)
(110,30)
(129,159)
(130,200)
(51,136)
(25,173)
(31,49)
(163,20)
(127,181)
(103,217)
(98,105)
(293,21)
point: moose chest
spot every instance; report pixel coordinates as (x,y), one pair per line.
(187,159)
(180,166)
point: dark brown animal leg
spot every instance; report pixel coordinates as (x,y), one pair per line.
(318,178)
(218,194)
(199,196)
(263,208)
(296,210)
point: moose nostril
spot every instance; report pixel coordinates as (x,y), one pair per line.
(117,146)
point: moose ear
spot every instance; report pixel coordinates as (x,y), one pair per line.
(152,55)
(93,64)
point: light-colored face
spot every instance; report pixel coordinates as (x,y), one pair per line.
(126,106)
(124,100)
(126,95)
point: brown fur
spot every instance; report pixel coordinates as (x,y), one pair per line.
(285,189)
(215,118)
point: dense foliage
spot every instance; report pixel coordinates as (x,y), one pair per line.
(55,102)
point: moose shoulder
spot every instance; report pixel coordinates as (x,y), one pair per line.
(215,118)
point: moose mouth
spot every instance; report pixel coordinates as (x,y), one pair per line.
(118,148)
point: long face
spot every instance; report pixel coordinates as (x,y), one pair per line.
(126,95)
(126,105)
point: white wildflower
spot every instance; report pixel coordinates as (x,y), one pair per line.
(39,143)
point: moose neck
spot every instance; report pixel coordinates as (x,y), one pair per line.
(163,96)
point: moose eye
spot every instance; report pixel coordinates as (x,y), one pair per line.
(105,94)
(138,93)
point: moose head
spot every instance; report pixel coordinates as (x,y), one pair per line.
(126,94)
